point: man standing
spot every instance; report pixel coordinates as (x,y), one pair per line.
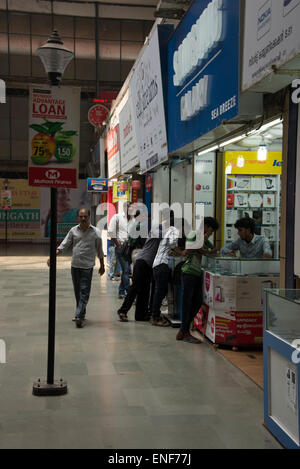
(118,232)
(86,243)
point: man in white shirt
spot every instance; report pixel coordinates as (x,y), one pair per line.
(86,243)
(118,232)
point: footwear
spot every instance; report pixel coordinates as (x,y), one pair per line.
(122,296)
(123,316)
(79,323)
(191,339)
(160,322)
(180,335)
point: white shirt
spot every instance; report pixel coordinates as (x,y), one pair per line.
(119,227)
(168,242)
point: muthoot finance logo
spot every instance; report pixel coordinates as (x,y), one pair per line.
(2,351)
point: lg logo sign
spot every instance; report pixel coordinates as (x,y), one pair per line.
(296,353)
(2,351)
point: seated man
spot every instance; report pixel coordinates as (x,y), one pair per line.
(248,243)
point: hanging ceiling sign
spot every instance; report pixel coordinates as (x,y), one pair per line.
(146,87)
(97,185)
(97,115)
(203,71)
(272,32)
(54,124)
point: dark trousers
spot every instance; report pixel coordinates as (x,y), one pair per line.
(191,299)
(160,288)
(140,289)
(82,281)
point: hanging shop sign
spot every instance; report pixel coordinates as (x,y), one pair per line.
(297,206)
(246,162)
(203,71)
(113,152)
(97,115)
(272,38)
(204,182)
(54,123)
(146,89)
(97,185)
(120,191)
(128,141)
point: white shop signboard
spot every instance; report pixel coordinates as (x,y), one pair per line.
(148,105)
(204,182)
(272,37)
(128,141)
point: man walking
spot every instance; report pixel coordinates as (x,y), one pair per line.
(86,243)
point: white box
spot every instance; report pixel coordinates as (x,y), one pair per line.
(241,200)
(268,217)
(269,200)
(243,183)
(231,216)
(268,183)
(255,200)
(256,183)
(268,232)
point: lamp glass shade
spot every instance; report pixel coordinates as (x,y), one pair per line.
(136,184)
(55,57)
(262,153)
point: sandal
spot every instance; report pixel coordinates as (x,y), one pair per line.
(160,322)
(123,316)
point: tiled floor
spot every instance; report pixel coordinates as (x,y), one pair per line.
(130,385)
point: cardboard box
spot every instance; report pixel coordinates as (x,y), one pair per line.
(269,200)
(236,293)
(256,183)
(268,183)
(268,217)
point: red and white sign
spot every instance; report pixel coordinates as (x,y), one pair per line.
(6,202)
(54,123)
(113,152)
(97,115)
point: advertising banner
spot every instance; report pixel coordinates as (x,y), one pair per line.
(54,124)
(97,185)
(69,201)
(246,162)
(146,89)
(113,152)
(203,71)
(297,205)
(6,200)
(24,216)
(204,182)
(272,37)
(128,141)
(119,194)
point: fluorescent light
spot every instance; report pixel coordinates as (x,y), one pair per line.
(262,153)
(269,124)
(215,147)
(232,140)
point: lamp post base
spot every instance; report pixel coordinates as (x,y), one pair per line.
(42,388)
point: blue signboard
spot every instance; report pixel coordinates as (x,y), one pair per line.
(203,71)
(97,185)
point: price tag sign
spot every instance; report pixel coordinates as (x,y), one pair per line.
(6,202)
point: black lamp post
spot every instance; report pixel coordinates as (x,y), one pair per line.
(55,58)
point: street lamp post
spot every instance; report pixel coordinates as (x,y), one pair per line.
(55,58)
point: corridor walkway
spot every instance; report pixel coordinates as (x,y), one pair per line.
(130,385)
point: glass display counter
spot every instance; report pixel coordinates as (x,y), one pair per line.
(232,297)
(281,365)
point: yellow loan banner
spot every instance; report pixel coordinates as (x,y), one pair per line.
(246,162)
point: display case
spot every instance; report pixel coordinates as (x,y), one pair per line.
(281,365)
(232,298)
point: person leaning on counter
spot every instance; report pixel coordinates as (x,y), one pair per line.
(249,244)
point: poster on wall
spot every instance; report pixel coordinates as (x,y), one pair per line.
(148,104)
(69,201)
(54,124)
(204,182)
(272,37)
(128,142)
(24,215)
(113,152)
(119,193)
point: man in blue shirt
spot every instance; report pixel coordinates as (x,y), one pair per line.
(248,243)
